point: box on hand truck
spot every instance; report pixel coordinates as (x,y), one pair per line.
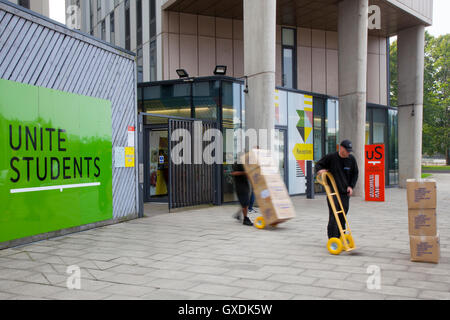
(269,188)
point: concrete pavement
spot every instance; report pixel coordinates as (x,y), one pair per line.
(205,254)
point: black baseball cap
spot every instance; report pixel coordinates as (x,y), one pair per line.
(347,144)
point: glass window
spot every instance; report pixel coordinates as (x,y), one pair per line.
(112,37)
(289,58)
(332,125)
(319,129)
(152,18)
(379,126)
(139,99)
(25,3)
(103,30)
(288,36)
(232,104)
(288,68)
(153,61)
(280,146)
(369,126)
(127,25)
(320,133)
(205,98)
(139,65)
(139,22)
(169,100)
(91,16)
(392,154)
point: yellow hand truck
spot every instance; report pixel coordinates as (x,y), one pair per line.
(345,242)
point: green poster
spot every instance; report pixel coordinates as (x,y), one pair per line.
(55,160)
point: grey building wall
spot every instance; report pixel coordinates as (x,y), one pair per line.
(422,9)
(39,6)
(44,53)
(107,20)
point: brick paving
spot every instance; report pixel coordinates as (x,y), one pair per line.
(205,254)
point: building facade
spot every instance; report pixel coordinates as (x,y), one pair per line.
(39,6)
(329,50)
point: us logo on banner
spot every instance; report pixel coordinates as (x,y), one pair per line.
(375,171)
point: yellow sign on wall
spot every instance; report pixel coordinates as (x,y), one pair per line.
(303,151)
(129,157)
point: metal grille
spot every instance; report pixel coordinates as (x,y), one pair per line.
(38,52)
(192,184)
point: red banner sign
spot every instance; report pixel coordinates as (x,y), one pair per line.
(374,167)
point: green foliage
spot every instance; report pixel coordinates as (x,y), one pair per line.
(436,99)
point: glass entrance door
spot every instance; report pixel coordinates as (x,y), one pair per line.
(157,164)
(280,149)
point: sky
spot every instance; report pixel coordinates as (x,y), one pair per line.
(441,22)
(441,10)
(57,10)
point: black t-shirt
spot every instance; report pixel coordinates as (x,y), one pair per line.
(344,170)
(241,181)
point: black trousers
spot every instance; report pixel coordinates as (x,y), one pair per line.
(333,229)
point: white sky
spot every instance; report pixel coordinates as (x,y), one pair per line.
(441,10)
(441,22)
(58,10)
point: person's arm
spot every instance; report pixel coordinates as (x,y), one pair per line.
(323,165)
(355,174)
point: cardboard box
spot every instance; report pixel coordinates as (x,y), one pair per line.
(259,158)
(276,211)
(425,249)
(270,190)
(421,193)
(266,176)
(422,222)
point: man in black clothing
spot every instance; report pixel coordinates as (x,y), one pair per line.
(342,165)
(243,191)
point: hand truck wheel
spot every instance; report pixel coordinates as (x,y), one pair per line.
(260,223)
(334,246)
(350,241)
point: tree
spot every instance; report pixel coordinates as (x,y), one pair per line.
(436,98)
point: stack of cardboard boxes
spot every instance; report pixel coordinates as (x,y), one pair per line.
(423,232)
(269,188)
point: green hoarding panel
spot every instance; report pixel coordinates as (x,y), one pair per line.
(55,160)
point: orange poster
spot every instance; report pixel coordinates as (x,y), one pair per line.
(374,175)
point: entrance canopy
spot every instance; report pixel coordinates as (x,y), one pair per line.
(315,14)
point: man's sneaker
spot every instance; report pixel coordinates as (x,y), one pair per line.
(238,215)
(247,222)
(252,211)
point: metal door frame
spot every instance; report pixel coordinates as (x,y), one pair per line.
(147,128)
(286,147)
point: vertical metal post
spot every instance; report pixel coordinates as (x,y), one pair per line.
(309,179)
(141,165)
(170,186)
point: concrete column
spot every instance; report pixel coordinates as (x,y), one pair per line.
(352,34)
(411,43)
(259,63)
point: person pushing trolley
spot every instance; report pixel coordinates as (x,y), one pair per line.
(341,169)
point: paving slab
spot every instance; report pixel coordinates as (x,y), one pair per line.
(205,254)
